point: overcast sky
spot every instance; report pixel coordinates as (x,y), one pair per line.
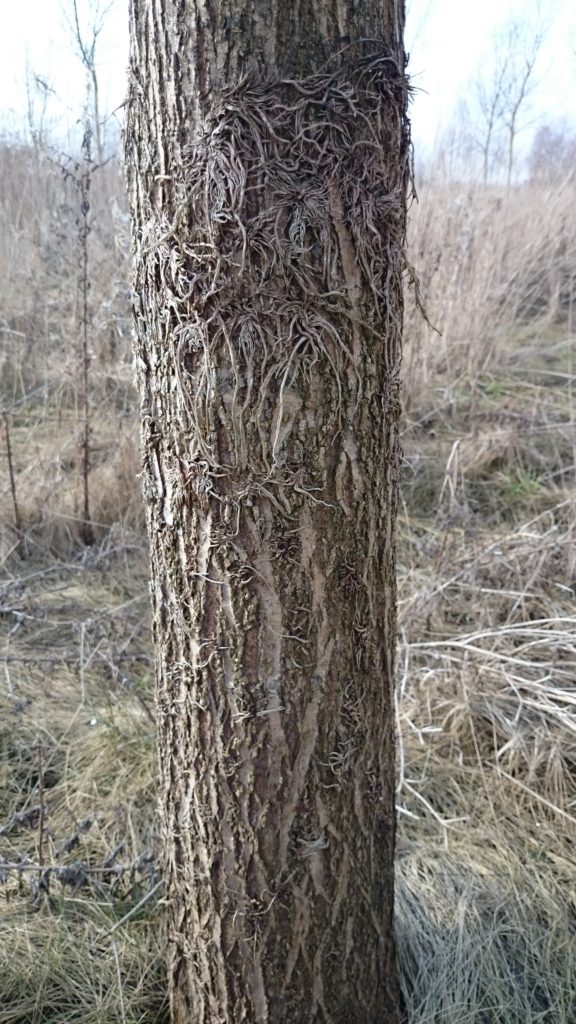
(448,40)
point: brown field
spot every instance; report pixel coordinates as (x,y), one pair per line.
(486,916)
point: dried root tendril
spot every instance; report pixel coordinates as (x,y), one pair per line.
(285,246)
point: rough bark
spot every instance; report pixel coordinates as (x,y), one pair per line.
(267,159)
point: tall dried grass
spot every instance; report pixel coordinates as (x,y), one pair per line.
(486,915)
(495,266)
(41,384)
(486,920)
(487,783)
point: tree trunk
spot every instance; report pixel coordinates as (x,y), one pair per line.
(268,160)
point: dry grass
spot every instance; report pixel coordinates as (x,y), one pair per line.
(77,763)
(486,917)
(487,786)
(486,913)
(497,268)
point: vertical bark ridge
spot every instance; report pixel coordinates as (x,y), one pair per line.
(268,164)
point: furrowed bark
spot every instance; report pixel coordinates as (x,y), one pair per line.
(267,157)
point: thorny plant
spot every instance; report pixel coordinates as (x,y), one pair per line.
(81,173)
(111,879)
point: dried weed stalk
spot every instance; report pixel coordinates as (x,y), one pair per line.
(11,474)
(83,183)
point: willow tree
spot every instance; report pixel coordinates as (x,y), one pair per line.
(267,156)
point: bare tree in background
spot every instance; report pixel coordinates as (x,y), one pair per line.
(268,161)
(524,44)
(553,154)
(86,38)
(38,93)
(489,104)
(501,90)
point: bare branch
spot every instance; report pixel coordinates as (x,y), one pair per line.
(501,91)
(86,43)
